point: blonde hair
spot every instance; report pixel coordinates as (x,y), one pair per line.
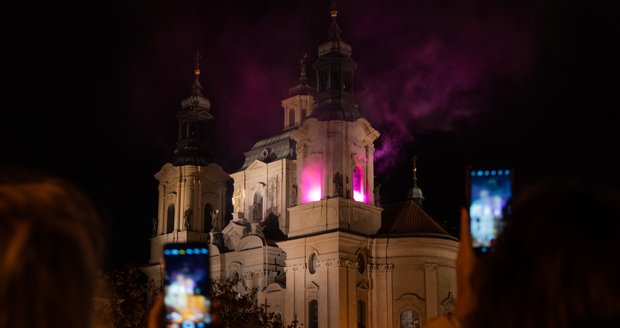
(49,253)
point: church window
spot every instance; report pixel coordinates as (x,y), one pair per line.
(361,263)
(312,263)
(311,181)
(361,314)
(313,314)
(207,219)
(170,219)
(410,319)
(358,184)
(291,118)
(335,78)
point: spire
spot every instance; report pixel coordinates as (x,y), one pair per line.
(334,29)
(303,88)
(334,70)
(197,87)
(192,119)
(415,193)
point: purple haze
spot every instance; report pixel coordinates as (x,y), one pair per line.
(421,67)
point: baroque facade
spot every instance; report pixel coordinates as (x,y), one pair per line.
(307,229)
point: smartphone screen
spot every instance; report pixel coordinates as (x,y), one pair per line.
(187,286)
(489,189)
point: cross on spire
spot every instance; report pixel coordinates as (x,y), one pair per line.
(197,58)
(414,159)
(333,9)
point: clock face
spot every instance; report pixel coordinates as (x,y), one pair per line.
(361,263)
(312,263)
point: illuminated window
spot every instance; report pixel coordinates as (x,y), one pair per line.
(170,219)
(410,319)
(311,181)
(207,220)
(358,184)
(313,314)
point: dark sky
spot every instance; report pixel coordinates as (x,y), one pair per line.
(91,89)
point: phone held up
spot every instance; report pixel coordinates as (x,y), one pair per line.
(187,299)
(489,190)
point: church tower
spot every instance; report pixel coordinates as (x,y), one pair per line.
(329,239)
(192,189)
(335,151)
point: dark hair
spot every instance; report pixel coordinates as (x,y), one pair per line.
(557,262)
(49,254)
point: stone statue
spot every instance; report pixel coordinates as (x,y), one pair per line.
(187,218)
(214,225)
(377,195)
(338,185)
(154,232)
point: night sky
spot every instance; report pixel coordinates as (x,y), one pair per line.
(90,91)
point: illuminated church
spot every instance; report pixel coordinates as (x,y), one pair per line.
(307,230)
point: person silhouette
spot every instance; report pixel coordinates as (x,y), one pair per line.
(50,251)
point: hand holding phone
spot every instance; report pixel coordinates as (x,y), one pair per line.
(187,299)
(489,189)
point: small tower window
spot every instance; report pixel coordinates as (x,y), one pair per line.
(170,219)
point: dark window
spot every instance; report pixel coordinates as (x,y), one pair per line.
(361,314)
(170,219)
(313,314)
(291,117)
(303,114)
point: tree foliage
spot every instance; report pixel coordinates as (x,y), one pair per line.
(235,308)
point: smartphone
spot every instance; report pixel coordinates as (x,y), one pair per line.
(489,190)
(187,299)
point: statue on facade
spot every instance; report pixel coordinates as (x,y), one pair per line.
(338,185)
(377,195)
(214,225)
(187,217)
(154,232)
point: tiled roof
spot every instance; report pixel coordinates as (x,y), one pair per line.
(409,219)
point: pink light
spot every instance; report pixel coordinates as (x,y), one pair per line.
(359,197)
(311,179)
(358,184)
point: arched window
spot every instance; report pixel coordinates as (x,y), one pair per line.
(291,118)
(170,219)
(361,314)
(207,220)
(358,184)
(313,314)
(410,319)
(257,207)
(303,114)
